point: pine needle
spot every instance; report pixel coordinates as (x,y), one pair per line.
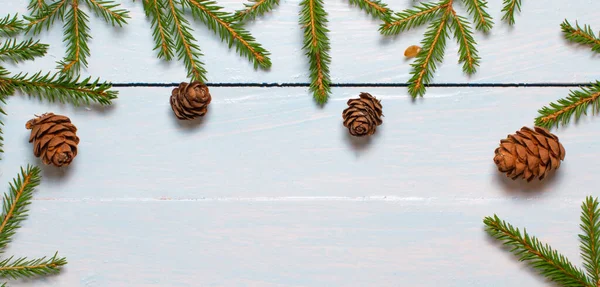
(254,9)
(572,107)
(22,51)
(541,257)
(222,23)
(160,28)
(509,8)
(374,8)
(411,18)
(590,239)
(77,35)
(109,11)
(582,35)
(313,18)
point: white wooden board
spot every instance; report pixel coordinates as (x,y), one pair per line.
(532,51)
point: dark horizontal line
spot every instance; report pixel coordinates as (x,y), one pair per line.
(359,85)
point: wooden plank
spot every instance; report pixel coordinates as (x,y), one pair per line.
(259,142)
(532,51)
(304,243)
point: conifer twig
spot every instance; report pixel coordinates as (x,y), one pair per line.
(374,8)
(468,54)
(509,8)
(75,29)
(22,51)
(222,24)
(9,26)
(411,18)
(477,9)
(590,239)
(582,35)
(573,106)
(162,36)
(316,44)
(254,9)
(547,261)
(27,268)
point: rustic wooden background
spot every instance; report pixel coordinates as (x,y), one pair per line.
(268,189)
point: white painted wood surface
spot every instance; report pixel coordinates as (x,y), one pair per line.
(268,190)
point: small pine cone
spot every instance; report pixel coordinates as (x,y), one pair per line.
(190,101)
(529,154)
(54,139)
(363,115)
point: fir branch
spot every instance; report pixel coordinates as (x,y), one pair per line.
(10,26)
(374,8)
(573,106)
(109,11)
(44,18)
(548,262)
(411,18)
(187,49)
(24,268)
(468,54)
(316,44)
(77,35)
(22,51)
(477,9)
(35,5)
(222,24)
(60,87)
(14,209)
(510,6)
(162,37)
(254,9)
(430,56)
(590,239)
(582,35)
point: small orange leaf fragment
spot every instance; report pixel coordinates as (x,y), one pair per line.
(412,51)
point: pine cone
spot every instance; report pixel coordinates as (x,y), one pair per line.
(529,154)
(190,101)
(363,115)
(54,139)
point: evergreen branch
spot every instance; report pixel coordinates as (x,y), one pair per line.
(254,9)
(45,17)
(222,23)
(510,6)
(548,262)
(590,239)
(316,44)
(22,51)
(3,102)
(432,53)
(10,26)
(411,18)
(186,47)
(477,9)
(109,11)
(62,88)
(374,8)
(584,36)
(162,37)
(24,268)
(573,106)
(77,34)
(468,54)
(35,5)
(14,209)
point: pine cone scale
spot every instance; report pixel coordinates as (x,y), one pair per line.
(529,153)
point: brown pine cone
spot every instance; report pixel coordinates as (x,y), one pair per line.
(363,115)
(529,154)
(190,101)
(54,139)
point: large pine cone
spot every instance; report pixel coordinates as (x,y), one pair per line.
(363,115)
(54,139)
(190,101)
(529,154)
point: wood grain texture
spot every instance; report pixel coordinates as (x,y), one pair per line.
(531,51)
